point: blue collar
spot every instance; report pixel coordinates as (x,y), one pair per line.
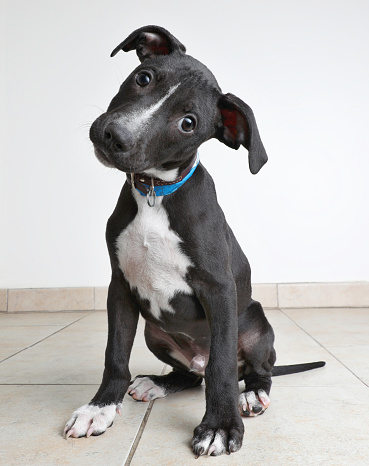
(152,187)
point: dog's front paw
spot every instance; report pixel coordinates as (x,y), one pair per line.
(217,441)
(90,420)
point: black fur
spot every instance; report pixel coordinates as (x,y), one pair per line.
(220,319)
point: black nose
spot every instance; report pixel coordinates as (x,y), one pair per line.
(117,138)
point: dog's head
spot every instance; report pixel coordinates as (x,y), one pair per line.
(167,107)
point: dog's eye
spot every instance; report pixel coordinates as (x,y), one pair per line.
(187,124)
(143,78)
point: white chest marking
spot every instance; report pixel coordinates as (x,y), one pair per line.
(150,256)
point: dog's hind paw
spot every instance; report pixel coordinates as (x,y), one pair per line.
(90,420)
(144,389)
(252,405)
(215,442)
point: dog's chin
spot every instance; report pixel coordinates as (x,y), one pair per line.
(102,158)
(111,162)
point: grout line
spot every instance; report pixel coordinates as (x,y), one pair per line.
(43,339)
(47,384)
(323,307)
(277,286)
(324,347)
(137,439)
(31,325)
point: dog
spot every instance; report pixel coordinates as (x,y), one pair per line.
(174,258)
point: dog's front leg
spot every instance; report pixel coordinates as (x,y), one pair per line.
(221,429)
(95,417)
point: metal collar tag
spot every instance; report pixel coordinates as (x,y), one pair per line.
(151,195)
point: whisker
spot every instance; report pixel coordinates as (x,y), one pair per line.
(99,108)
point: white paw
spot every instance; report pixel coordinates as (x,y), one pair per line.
(144,389)
(213,445)
(215,442)
(252,405)
(90,420)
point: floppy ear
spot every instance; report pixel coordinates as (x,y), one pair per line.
(238,126)
(150,41)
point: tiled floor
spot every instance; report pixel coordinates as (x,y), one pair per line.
(52,363)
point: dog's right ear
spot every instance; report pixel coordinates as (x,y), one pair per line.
(150,41)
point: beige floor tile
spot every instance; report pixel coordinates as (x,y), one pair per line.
(334,327)
(318,417)
(101,294)
(40,318)
(21,337)
(75,355)
(33,418)
(7,352)
(355,358)
(294,346)
(332,375)
(303,426)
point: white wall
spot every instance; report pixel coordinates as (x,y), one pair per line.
(301,65)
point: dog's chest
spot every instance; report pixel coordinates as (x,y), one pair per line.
(151,258)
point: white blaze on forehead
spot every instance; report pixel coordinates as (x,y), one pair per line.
(137,121)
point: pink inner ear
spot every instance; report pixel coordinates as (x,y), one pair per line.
(230,121)
(157,44)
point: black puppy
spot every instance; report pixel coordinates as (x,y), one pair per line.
(174,258)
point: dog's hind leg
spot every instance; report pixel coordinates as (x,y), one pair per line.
(254,400)
(150,387)
(256,360)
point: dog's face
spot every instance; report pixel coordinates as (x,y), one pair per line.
(166,108)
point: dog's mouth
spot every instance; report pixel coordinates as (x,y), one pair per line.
(122,165)
(128,163)
(102,158)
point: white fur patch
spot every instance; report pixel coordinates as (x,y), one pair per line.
(178,356)
(150,256)
(218,445)
(136,122)
(264,398)
(249,401)
(203,444)
(143,388)
(165,175)
(89,420)
(210,446)
(198,364)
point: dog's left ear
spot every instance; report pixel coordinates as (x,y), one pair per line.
(238,126)
(150,41)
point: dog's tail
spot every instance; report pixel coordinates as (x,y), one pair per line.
(295,368)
